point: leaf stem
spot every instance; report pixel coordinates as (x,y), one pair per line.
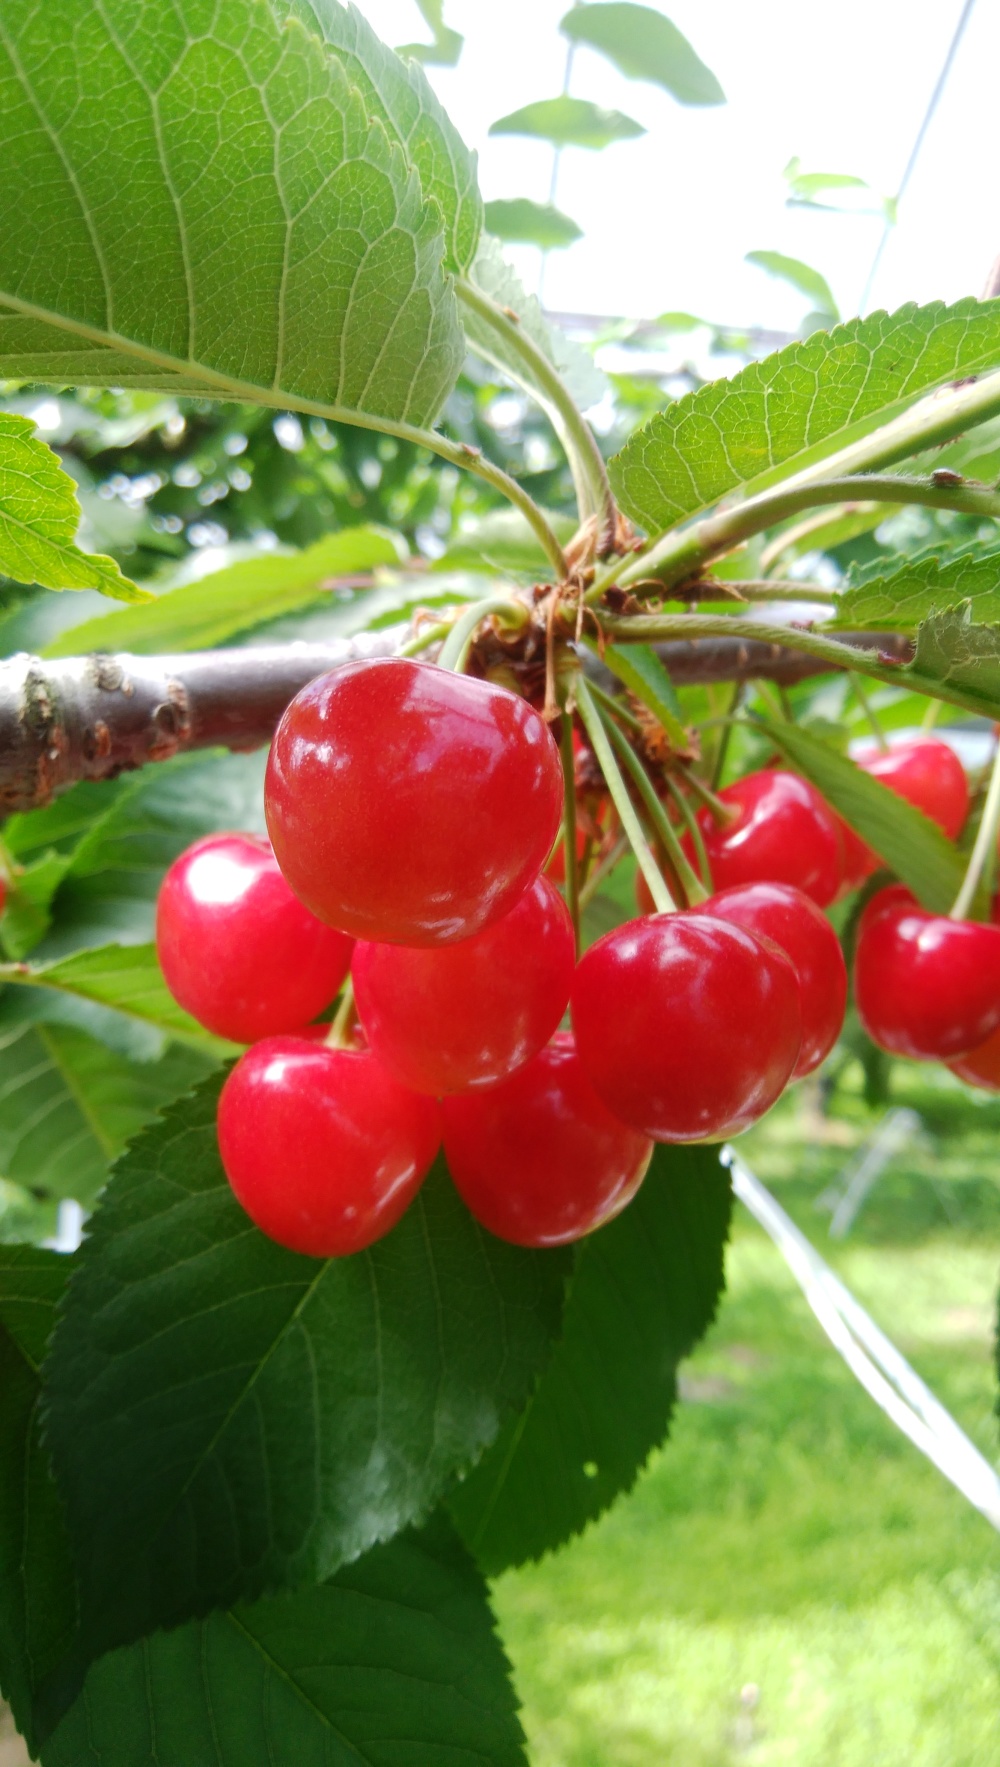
(456,647)
(986,839)
(569,825)
(862,696)
(693,827)
(592,722)
(686,875)
(590,475)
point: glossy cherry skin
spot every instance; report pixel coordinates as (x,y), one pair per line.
(322,1147)
(539,1159)
(784,833)
(929,775)
(688,1026)
(786,915)
(925,986)
(409,805)
(467,1015)
(981,1066)
(238,949)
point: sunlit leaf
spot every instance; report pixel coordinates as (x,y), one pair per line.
(645,46)
(522,222)
(569,122)
(447,45)
(126,978)
(799,276)
(39,517)
(898,593)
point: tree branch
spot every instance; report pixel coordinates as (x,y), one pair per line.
(95,717)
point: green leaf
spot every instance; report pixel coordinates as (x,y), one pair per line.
(502,540)
(952,652)
(208,612)
(246,230)
(778,416)
(227,1417)
(908,841)
(898,593)
(645,46)
(522,222)
(68,1105)
(641,671)
(799,276)
(39,517)
(37,1594)
(580,375)
(27,914)
(569,122)
(401,97)
(447,45)
(394,1662)
(645,1289)
(126,978)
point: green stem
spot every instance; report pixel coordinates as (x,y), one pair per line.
(693,827)
(339,1034)
(423,640)
(569,825)
(931,715)
(986,840)
(603,870)
(616,706)
(766,589)
(544,382)
(686,875)
(727,729)
(721,813)
(862,697)
(593,724)
(456,647)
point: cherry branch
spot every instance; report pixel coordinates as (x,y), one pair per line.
(95,717)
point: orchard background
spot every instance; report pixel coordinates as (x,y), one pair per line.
(274,397)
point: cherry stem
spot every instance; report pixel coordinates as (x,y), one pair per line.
(986,839)
(694,830)
(604,869)
(590,717)
(616,706)
(686,875)
(721,813)
(345,1019)
(864,700)
(931,715)
(569,825)
(456,647)
(422,641)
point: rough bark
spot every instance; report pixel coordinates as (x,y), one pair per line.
(97,716)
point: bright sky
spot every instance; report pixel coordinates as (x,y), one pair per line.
(668,218)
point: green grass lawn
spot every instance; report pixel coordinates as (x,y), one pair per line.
(790,1581)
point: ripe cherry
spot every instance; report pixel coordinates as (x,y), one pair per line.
(539,1159)
(981,1067)
(783,832)
(779,912)
(929,775)
(322,1147)
(468,1014)
(689,1027)
(925,986)
(238,949)
(410,805)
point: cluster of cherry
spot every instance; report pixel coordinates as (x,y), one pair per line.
(411,811)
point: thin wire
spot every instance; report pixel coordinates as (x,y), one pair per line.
(915,151)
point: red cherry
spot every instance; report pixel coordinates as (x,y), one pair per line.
(925,986)
(929,775)
(539,1159)
(784,833)
(469,1014)
(410,805)
(779,912)
(689,1027)
(556,867)
(237,948)
(3,894)
(981,1067)
(321,1146)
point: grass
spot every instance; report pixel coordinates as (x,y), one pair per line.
(790,1581)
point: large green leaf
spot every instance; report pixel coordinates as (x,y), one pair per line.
(797,406)
(402,98)
(645,46)
(898,593)
(68,1105)
(645,1289)
(909,842)
(126,978)
(37,1594)
(569,122)
(39,517)
(215,608)
(236,222)
(523,222)
(227,1417)
(393,1663)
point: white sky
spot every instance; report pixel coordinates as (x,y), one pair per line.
(668,218)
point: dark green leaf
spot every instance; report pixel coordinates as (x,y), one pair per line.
(27,913)
(227,1417)
(799,276)
(39,517)
(37,1595)
(644,1291)
(952,652)
(393,1663)
(247,229)
(645,46)
(898,593)
(569,122)
(911,845)
(213,609)
(797,406)
(522,222)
